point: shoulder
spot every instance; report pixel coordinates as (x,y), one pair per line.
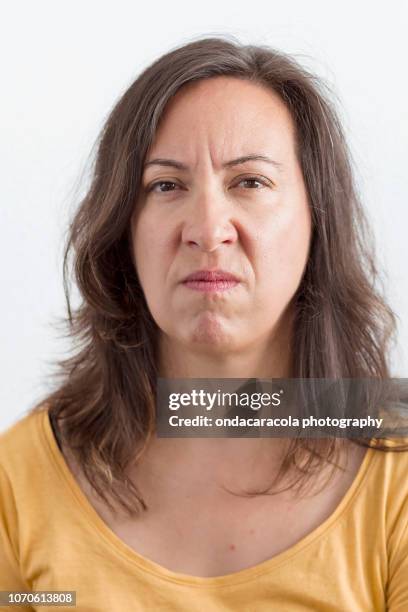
(22,444)
(392,495)
(26,488)
(28,476)
(391,461)
(388,481)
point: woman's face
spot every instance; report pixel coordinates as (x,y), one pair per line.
(204,208)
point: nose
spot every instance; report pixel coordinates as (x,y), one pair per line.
(209,222)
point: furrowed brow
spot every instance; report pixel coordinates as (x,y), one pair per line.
(253,157)
(166,162)
(173,163)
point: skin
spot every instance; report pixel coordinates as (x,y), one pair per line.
(213,218)
(252,220)
(209,216)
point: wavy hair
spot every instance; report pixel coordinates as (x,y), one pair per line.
(103,404)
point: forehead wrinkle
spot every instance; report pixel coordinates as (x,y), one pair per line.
(210,138)
(222,143)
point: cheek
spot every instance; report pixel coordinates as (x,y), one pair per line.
(283,251)
(152,255)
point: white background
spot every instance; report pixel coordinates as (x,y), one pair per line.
(64,64)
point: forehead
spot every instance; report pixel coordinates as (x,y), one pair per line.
(227,116)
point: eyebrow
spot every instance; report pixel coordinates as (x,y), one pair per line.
(229,164)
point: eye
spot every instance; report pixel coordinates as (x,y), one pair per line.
(153,186)
(252,180)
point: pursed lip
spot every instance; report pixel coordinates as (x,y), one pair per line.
(211,281)
(211,276)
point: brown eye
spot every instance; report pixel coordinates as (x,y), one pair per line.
(253,182)
(161,183)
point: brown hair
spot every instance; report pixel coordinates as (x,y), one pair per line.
(105,393)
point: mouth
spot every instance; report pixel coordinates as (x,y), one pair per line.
(210,281)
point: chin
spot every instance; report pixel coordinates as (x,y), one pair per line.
(210,331)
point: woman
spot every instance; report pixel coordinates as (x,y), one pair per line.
(221,237)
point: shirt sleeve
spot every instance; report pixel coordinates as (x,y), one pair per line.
(397,587)
(10,577)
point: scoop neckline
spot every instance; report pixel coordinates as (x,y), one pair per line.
(119,547)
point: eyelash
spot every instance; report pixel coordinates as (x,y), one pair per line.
(246,178)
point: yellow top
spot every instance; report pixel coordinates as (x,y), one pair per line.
(52,539)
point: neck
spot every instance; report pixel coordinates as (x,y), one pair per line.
(209,461)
